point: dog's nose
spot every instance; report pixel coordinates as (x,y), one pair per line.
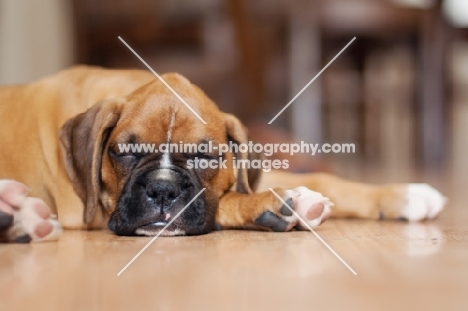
(165,190)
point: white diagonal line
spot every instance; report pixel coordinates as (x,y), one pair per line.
(315,233)
(160,232)
(311,81)
(162,80)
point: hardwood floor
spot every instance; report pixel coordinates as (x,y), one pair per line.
(400,266)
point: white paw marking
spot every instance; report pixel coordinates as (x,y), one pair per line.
(28,218)
(424,202)
(310,205)
(31,215)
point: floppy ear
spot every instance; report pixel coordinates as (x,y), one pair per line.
(247,179)
(83,139)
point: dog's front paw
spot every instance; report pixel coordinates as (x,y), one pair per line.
(312,207)
(297,206)
(24,218)
(413,202)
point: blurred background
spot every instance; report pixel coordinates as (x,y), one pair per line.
(399,92)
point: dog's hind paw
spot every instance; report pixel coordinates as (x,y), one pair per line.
(423,202)
(22,218)
(412,202)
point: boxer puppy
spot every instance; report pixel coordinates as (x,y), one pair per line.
(60,156)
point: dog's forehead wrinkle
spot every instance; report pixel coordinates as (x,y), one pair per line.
(166,158)
(171,126)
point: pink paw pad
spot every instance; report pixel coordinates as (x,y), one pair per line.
(311,206)
(24,218)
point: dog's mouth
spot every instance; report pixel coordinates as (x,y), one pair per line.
(151,206)
(159,227)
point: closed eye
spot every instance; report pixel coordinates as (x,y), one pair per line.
(124,156)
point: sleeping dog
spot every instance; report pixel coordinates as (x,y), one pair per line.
(61,165)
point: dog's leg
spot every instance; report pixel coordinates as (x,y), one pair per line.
(266,211)
(24,218)
(412,202)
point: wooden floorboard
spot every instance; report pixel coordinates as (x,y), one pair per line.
(400,266)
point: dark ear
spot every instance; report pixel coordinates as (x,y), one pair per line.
(247,179)
(83,139)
